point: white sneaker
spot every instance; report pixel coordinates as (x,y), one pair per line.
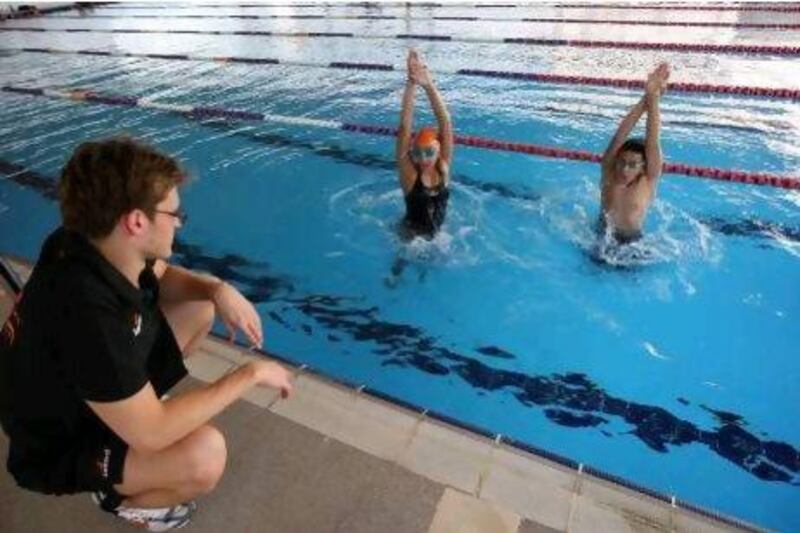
(153,519)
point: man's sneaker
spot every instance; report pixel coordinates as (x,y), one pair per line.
(161,519)
(153,519)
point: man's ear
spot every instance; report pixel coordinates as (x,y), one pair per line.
(134,222)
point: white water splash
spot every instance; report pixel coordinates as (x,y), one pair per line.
(650,349)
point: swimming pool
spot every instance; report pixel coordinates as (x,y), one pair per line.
(670,365)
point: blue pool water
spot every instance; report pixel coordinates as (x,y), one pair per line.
(670,364)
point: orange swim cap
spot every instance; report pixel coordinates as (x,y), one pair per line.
(426,136)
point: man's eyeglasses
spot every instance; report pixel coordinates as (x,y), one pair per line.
(178,213)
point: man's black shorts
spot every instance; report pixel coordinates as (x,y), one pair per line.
(95,461)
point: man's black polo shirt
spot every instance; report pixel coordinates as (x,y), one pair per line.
(81,331)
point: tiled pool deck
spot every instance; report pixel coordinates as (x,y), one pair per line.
(332,458)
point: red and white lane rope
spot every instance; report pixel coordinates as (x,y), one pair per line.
(779,7)
(471,18)
(86,95)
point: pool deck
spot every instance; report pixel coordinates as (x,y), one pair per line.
(332,458)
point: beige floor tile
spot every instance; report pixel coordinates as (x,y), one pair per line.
(207,367)
(378,428)
(446,455)
(317,405)
(232,353)
(591,516)
(461,513)
(636,508)
(535,489)
(355,419)
(528,526)
(236,356)
(683,521)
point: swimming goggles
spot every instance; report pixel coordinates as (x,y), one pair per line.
(428,152)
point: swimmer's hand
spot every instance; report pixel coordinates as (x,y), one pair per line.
(657,80)
(417,70)
(412,60)
(236,312)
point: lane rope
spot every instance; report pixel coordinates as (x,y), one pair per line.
(533,41)
(539,20)
(765,7)
(204,112)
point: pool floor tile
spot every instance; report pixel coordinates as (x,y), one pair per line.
(317,405)
(685,521)
(375,428)
(351,418)
(532,488)
(461,513)
(235,354)
(447,455)
(590,516)
(528,526)
(636,508)
(206,367)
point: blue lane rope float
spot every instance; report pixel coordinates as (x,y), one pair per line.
(750,49)
(563,79)
(202,112)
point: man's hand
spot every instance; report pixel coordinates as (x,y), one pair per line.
(269,374)
(236,312)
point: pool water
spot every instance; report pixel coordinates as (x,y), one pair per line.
(668,362)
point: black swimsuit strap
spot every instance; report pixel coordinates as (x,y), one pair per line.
(439,187)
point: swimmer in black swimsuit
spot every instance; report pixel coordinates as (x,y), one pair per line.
(426,208)
(424,161)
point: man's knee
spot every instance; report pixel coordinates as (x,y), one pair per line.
(206,456)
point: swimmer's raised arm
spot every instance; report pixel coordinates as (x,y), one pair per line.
(623,131)
(658,80)
(403,143)
(420,74)
(656,85)
(406,121)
